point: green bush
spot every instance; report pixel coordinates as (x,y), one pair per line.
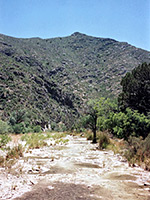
(62,128)
(34,141)
(28,129)
(25,137)
(128,123)
(4,139)
(58,135)
(53,126)
(37,129)
(18,128)
(101,123)
(20,122)
(4,128)
(19,116)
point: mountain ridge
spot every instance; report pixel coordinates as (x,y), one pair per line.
(59,70)
(76,33)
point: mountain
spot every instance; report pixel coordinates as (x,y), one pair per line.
(52,78)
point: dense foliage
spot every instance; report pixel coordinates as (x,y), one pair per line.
(128,123)
(19,122)
(136,90)
(95,115)
(124,121)
(130,116)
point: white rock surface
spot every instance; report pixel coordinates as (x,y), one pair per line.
(77,162)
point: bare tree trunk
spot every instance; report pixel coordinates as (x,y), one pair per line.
(94,136)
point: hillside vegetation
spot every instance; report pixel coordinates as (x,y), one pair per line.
(51,79)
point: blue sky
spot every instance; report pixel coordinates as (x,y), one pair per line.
(123,20)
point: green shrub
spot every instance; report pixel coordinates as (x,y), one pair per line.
(64,141)
(19,128)
(20,122)
(4,139)
(25,137)
(18,116)
(62,128)
(37,129)
(58,135)
(53,126)
(129,123)
(35,140)
(101,123)
(28,130)
(3,127)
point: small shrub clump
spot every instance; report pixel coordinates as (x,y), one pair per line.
(35,140)
(104,141)
(3,127)
(56,135)
(63,141)
(15,152)
(4,139)
(2,160)
(89,135)
(138,151)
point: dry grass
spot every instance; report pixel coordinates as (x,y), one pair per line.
(39,140)
(12,155)
(15,152)
(104,141)
(2,160)
(57,135)
(138,152)
(4,140)
(34,140)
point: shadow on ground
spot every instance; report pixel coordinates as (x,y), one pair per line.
(60,191)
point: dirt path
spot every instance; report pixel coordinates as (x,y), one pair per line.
(78,171)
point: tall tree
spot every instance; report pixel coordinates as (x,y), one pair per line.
(90,118)
(136,90)
(96,112)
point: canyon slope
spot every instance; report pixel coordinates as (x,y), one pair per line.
(53,78)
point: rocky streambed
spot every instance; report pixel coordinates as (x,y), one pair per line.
(75,170)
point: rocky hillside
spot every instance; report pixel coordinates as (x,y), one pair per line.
(51,78)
